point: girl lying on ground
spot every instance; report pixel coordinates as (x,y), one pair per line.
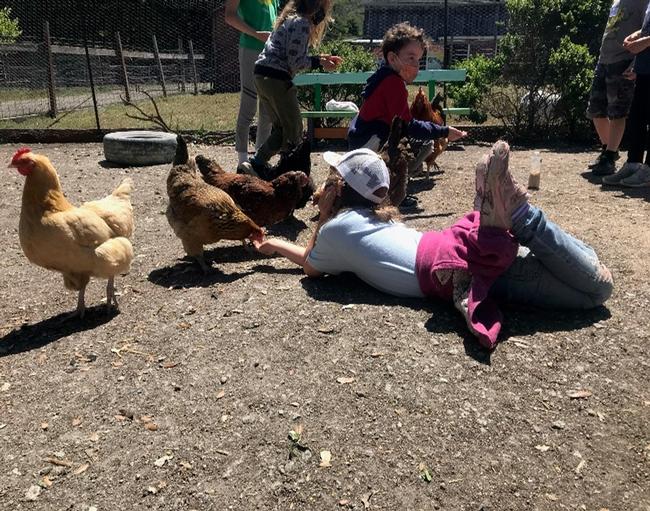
(504,251)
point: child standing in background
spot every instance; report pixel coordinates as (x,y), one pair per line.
(635,173)
(254,19)
(612,89)
(301,24)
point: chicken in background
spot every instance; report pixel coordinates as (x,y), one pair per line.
(201,214)
(397,156)
(298,159)
(265,202)
(91,240)
(423,110)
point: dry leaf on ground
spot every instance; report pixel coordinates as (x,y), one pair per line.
(325,459)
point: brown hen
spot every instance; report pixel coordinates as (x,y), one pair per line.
(201,214)
(265,202)
(424,110)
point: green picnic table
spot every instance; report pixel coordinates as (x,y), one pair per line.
(318,80)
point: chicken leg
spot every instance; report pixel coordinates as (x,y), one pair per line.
(111,299)
(81,304)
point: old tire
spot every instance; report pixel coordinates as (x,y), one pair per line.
(135,148)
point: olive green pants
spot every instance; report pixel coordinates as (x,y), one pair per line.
(281,103)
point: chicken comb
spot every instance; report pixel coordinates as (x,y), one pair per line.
(19,153)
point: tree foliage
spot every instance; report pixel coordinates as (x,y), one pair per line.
(348,20)
(9,27)
(545,66)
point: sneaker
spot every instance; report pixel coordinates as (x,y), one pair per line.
(253,168)
(605,165)
(624,172)
(498,195)
(597,160)
(640,179)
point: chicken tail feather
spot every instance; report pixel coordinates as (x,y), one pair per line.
(114,257)
(182,156)
(123,191)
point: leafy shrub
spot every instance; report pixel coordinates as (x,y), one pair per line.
(9,27)
(571,74)
(482,74)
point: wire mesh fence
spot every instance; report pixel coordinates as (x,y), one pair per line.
(69,49)
(73,54)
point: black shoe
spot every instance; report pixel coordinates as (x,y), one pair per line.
(596,162)
(410,201)
(605,165)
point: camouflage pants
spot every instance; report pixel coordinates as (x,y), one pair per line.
(611,93)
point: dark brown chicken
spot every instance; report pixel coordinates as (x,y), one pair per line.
(265,202)
(201,214)
(396,155)
(424,110)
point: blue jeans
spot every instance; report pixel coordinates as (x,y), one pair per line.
(552,269)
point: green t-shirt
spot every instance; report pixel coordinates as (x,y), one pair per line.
(259,14)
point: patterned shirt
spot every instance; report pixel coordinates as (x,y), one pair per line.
(286,49)
(625,17)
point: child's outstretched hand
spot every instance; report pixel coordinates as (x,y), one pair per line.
(266,247)
(330,62)
(455,134)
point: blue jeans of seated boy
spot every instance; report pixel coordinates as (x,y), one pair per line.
(552,269)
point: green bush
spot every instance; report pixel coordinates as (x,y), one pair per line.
(9,27)
(538,85)
(571,73)
(482,74)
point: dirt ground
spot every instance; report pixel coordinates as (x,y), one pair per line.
(185,399)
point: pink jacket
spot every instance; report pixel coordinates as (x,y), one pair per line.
(485,252)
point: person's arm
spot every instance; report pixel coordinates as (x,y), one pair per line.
(637,45)
(234,20)
(295,253)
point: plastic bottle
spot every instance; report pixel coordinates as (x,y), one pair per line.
(535,171)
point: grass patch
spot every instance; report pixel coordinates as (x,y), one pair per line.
(22,94)
(202,113)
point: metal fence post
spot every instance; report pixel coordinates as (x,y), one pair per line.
(120,55)
(161,73)
(181,64)
(50,70)
(193,65)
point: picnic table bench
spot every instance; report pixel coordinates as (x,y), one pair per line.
(317,80)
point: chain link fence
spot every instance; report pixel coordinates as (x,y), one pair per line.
(71,50)
(73,54)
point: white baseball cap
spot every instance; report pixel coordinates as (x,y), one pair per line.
(363,170)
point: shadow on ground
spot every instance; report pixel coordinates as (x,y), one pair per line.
(186,273)
(289,228)
(30,337)
(348,289)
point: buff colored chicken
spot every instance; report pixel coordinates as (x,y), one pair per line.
(91,240)
(423,110)
(201,214)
